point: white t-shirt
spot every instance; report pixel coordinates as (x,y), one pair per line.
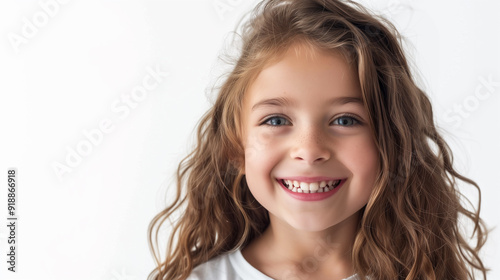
(231,266)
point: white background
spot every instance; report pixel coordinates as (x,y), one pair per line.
(64,76)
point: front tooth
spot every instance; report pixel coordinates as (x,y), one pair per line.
(321,190)
(304,186)
(296,184)
(322,184)
(299,190)
(294,189)
(313,187)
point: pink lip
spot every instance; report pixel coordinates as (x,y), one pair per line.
(312,196)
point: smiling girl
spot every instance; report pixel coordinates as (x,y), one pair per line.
(319,160)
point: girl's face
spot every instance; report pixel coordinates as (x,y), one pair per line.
(304,127)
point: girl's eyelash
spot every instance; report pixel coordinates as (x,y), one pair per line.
(265,122)
(352,117)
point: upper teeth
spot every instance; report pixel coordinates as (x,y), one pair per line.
(321,186)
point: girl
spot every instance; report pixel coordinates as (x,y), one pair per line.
(319,160)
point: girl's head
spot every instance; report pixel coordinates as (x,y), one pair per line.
(397,111)
(304,123)
(322,89)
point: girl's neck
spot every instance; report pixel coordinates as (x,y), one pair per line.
(282,252)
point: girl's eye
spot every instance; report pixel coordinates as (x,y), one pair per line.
(276,121)
(345,121)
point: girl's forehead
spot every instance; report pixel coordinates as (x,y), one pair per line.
(304,67)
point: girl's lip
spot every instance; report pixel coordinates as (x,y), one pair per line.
(312,196)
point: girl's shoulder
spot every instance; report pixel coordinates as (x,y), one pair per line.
(231,266)
(216,268)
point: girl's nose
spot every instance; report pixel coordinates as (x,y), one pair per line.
(311,147)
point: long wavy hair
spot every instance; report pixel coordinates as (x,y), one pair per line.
(411,227)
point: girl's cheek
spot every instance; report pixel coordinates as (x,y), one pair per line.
(357,153)
(367,160)
(259,141)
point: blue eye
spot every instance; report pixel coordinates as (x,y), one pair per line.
(345,121)
(276,121)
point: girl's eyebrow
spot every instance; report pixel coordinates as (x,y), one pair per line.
(283,101)
(278,101)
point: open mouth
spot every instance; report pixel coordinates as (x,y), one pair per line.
(314,187)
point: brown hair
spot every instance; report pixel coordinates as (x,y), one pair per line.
(410,226)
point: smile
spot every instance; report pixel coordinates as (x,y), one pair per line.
(303,187)
(311,191)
